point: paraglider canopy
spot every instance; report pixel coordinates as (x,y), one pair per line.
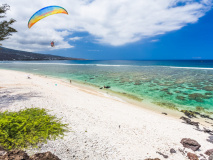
(44,12)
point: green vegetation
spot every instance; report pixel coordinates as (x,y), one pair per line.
(5,26)
(28,127)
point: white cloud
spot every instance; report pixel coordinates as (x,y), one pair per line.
(155,40)
(75,38)
(112,22)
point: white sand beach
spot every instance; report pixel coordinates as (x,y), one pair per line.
(101,127)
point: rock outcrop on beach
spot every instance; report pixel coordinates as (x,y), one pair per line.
(22,155)
(16,55)
(190,143)
(188,121)
(209,152)
(192,156)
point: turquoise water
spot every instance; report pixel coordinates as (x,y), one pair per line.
(184,84)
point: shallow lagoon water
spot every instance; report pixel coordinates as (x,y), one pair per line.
(185,84)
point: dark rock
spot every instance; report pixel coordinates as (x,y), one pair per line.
(137,83)
(190,143)
(208,93)
(44,156)
(211,157)
(164,156)
(197,97)
(210,139)
(164,113)
(192,156)
(106,86)
(172,151)
(209,152)
(189,114)
(182,98)
(101,88)
(188,121)
(203,156)
(16,155)
(2,152)
(208,88)
(152,159)
(208,131)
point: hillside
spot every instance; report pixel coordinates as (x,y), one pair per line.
(17,55)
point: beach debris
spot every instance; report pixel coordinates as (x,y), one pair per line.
(188,121)
(192,156)
(209,152)
(181,151)
(44,156)
(164,156)
(164,113)
(190,143)
(172,150)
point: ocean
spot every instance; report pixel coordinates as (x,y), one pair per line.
(173,84)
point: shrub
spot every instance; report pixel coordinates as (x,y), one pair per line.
(28,127)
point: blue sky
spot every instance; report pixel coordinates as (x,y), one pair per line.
(194,41)
(122,29)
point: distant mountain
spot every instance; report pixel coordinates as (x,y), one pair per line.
(16,55)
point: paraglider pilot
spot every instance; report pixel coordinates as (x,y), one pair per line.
(52,44)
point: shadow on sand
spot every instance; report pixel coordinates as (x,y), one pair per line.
(9,97)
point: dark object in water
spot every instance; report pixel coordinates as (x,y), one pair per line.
(188,121)
(164,156)
(190,143)
(106,86)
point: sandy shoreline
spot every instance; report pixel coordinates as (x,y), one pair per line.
(103,127)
